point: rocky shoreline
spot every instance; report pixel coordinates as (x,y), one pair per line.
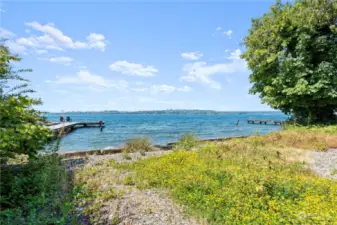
(114,150)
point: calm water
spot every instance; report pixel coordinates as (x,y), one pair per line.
(160,128)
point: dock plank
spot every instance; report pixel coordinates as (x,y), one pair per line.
(73,125)
(62,125)
(266,122)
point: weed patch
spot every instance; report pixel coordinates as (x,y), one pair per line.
(140,144)
(35,193)
(241,182)
(186,142)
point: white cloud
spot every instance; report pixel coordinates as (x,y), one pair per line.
(135,69)
(6,33)
(62,60)
(95,37)
(139,83)
(235,55)
(139,89)
(218,28)
(51,47)
(228,33)
(54,39)
(162,88)
(96,41)
(168,89)
(48,81)
(191,55)
(41,51)
(185,89)
(94,81)
(80,66)
(201,72)
(16,48)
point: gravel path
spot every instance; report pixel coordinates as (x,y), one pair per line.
(325,163)
(145,207)
(136,206)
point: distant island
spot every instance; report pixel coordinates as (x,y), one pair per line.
(168,111)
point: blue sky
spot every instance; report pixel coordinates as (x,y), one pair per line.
(134,55)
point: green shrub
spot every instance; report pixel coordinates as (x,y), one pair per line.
(138,144)
(187,142)
(32,193)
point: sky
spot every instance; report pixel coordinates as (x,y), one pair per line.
(134,55)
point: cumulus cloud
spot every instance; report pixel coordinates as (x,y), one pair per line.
(201,72)
(218,28)
(41,51)
(6,33)
(54,39)
(61,60)
(235,55)
(84,77)
(228,33)
(16,48)
(191,55)
(134,69)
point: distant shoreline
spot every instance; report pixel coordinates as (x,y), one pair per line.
(162,112)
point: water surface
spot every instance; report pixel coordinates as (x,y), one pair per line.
(161,128)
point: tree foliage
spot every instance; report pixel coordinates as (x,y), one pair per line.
(292,52)
(21,131)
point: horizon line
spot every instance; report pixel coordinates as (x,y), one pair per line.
(161,110)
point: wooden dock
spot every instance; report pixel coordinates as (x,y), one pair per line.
(66,127)
(266,122)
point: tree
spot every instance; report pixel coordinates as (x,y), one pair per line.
(292,53)
(21,131)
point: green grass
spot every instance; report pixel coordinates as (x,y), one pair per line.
(258,180)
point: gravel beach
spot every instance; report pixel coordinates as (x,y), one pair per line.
(325,163)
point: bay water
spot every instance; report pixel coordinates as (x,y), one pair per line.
(160,128)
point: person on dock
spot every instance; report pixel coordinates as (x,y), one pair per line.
(68,119)
(61,119)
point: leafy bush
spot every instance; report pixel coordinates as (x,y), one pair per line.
(138,144)
(20,131)
(186,142)
(32,193)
